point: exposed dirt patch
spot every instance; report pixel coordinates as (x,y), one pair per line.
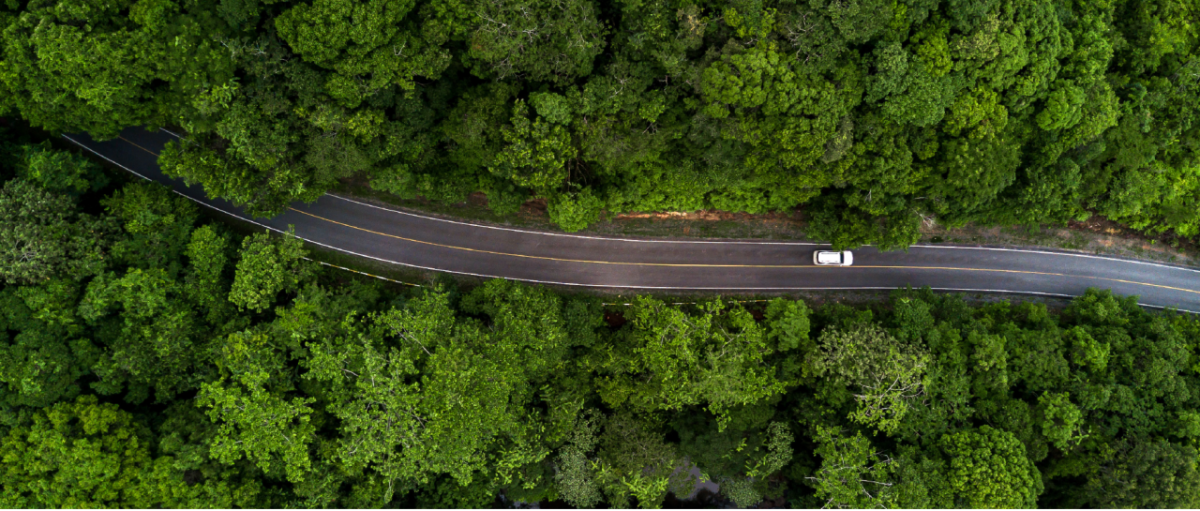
(1164,243)
(713,216)
(477,199)
(535,209)
(1096,235)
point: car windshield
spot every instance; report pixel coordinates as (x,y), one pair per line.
(830,257)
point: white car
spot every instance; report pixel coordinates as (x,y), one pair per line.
(833,258)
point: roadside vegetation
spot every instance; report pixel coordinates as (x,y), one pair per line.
(152,357)
(873,115)
(1096,235)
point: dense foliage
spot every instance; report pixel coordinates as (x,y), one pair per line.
(872,114)
(181,364)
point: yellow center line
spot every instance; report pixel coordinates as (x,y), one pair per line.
(703,265)
(138,146)
(700,265)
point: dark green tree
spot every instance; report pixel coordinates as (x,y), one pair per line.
(43,235)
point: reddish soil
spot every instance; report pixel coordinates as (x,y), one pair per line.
(1100,225)
(476,199)
(1106,236)
(534,209)
(794,217)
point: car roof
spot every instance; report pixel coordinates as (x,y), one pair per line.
(829,257)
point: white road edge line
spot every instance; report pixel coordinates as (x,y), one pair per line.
(323,263)
(543,233)
(1068,254)
(794,243)
(668,288)
(536,281)
(567,235)
(97,153)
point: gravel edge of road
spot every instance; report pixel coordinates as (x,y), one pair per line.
(1054,239)
(616,292)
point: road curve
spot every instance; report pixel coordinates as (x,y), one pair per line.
(414,240)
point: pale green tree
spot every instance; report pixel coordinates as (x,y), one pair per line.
(853,474)
(267,266)
(989,469)
(671,359)
(86,454)
(884,374)
(264,425)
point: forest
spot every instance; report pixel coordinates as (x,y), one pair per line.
(872,116)
(152,356)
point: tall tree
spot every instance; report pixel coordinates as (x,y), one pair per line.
(43,235)
(102,66)
(988,469)
(267,266)
(883,373)
(87,454)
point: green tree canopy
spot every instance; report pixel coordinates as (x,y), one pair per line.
(988,469)
(42,235)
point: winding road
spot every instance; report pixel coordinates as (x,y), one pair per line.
(414,240)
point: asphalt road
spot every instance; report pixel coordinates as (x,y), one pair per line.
(419,241)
